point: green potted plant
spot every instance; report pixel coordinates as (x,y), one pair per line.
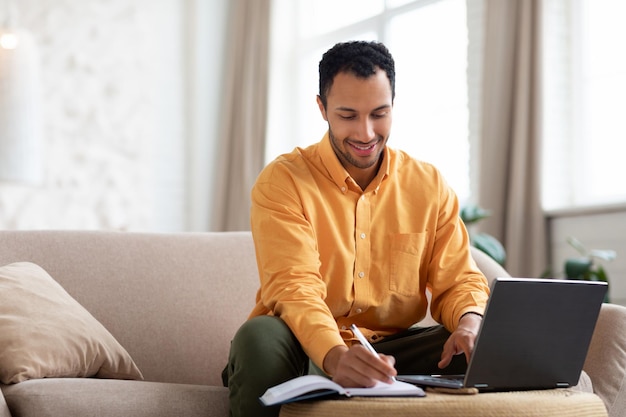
(472,214)
(586,266)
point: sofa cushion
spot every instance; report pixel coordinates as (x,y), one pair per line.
(44,332)
(88,397)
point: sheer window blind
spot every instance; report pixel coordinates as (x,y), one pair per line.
(437,46)
(584,102)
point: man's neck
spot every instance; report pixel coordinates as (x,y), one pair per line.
(363,177)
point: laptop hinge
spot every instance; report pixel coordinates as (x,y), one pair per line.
(562,385)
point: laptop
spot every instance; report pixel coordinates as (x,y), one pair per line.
(534,335)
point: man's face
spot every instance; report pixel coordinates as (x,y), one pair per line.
(358,112)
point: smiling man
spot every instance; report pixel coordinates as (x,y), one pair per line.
(349,231)
(359,119)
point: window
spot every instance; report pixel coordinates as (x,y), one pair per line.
(429,42)
(585,98)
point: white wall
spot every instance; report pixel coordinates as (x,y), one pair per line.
(602,229)
(121,111)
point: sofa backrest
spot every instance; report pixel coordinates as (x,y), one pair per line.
(174,301)
(490,268)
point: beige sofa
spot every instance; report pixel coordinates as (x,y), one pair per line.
(173,302)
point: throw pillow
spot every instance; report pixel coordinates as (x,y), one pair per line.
(45,333)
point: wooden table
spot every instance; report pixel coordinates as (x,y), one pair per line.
(546,403)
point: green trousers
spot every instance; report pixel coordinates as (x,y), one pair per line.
(264,353)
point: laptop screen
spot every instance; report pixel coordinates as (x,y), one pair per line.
(535,333)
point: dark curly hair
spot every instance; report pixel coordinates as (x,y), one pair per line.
(359,58)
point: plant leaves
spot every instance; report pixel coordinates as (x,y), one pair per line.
(472,213)
(490,245)
(599,275)
(577,268)
(605,255)
(577,244)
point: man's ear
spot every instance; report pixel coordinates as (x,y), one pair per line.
(322,108)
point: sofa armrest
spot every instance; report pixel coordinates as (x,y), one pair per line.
(4,408)
(490,268)
(606,359)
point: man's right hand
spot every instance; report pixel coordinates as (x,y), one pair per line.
(358,367)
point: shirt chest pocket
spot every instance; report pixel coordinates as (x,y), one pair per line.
(407,252)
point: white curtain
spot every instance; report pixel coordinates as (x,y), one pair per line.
(244,113)
(510,157)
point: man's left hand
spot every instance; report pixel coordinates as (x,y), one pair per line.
(461,340)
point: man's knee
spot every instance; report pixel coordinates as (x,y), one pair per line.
(263,353)
(262,332)
(265,343)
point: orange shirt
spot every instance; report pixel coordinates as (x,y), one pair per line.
(331,254)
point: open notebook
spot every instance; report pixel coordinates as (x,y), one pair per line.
(312,386)
(535,335)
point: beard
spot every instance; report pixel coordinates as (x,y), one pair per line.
(346,157)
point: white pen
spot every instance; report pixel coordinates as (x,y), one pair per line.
(365,342)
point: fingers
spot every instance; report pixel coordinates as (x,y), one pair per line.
(460,341)
(449,350)
(372,368)
(360,368)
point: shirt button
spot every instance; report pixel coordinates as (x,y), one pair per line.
(359,311)
(362,235)
(361,274)
(344,328)
(343,189)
